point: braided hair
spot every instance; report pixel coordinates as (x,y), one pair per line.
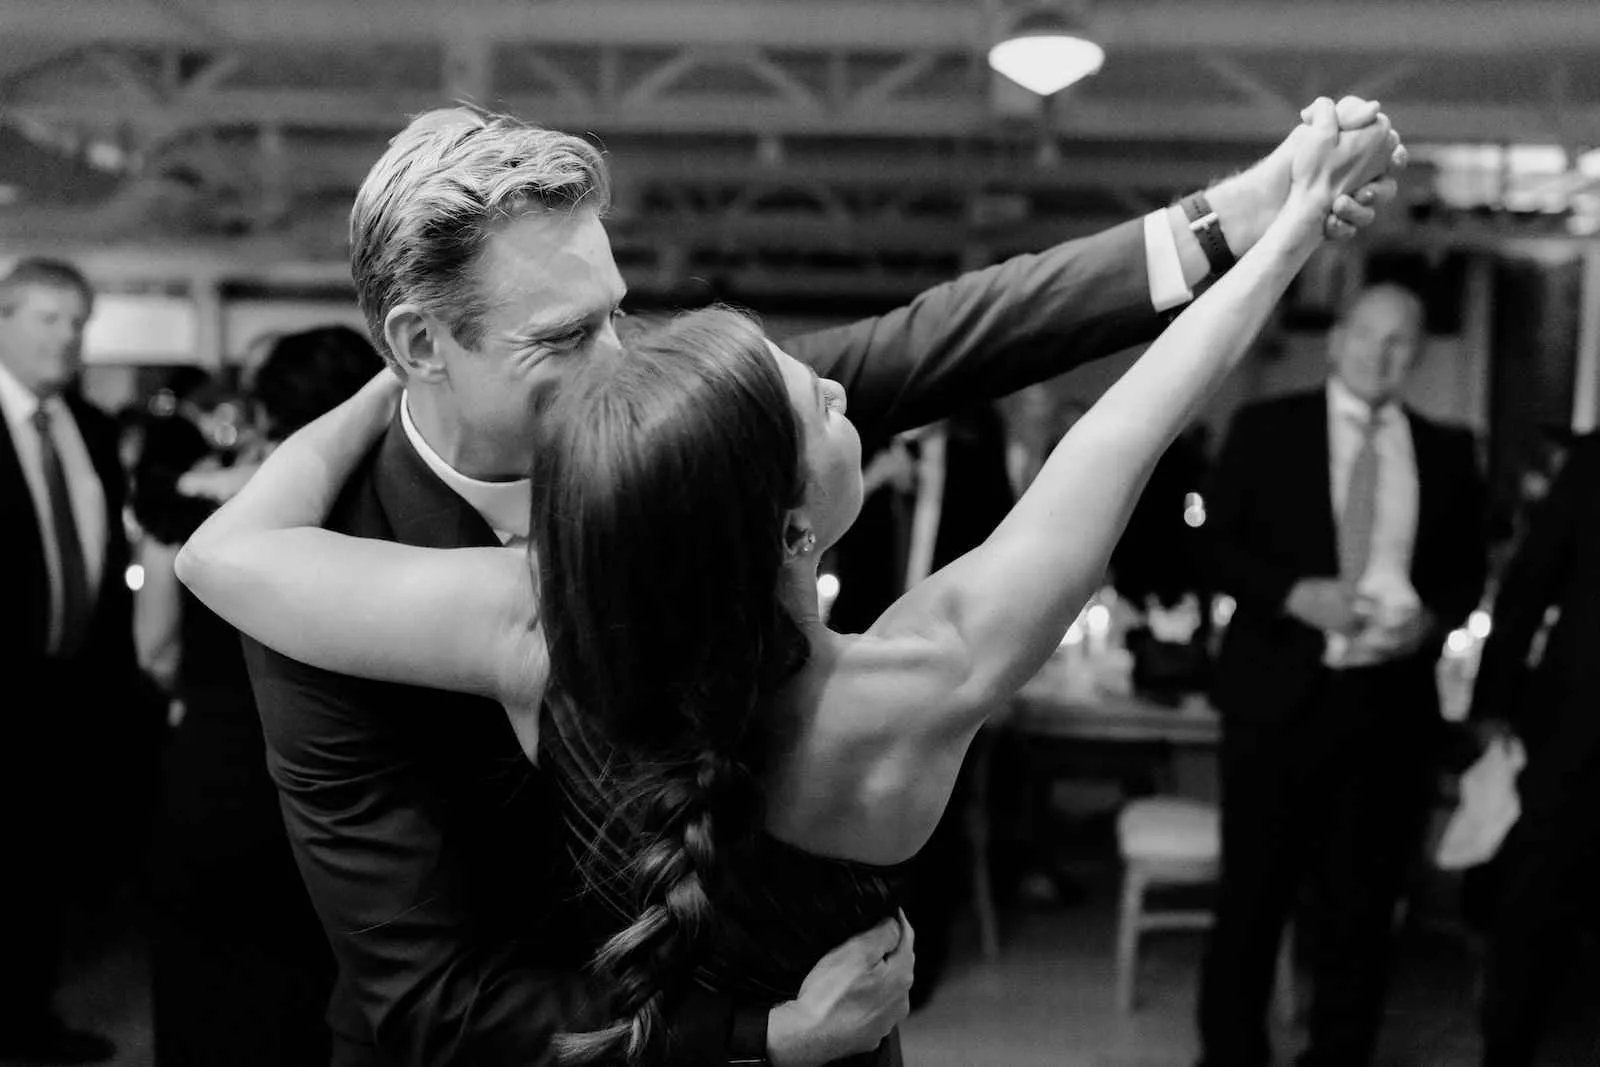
(662,480)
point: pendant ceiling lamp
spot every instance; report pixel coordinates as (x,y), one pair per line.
(1044,49)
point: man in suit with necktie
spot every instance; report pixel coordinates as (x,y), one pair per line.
(1549,869)
(66,635)
(1349,529)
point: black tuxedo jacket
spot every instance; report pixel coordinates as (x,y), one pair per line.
(429,845)
(76,763)
(1270,523)
(107,650)
(1554,706)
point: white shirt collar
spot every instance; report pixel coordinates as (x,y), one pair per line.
(1343,403)
(16,399)
(503,505)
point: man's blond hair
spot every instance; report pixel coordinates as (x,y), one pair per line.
(435,195)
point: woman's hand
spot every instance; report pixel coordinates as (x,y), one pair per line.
(1355,210)
(1326,162)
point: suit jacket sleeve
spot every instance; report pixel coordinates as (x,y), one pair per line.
(433,989)
(1533,580)
(1461,589)
(990,332)
(373,857)
(1232,512)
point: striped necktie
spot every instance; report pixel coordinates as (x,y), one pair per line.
(75,604)
(1360,506)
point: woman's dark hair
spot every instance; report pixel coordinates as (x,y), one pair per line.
(661,484)
(309,373)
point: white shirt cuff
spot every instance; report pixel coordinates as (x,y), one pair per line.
(1162,263)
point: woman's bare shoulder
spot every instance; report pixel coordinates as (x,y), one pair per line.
(872,684)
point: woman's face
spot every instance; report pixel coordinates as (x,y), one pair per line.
(832,449)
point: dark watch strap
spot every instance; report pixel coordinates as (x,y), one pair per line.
(1203,223)
(747,1040)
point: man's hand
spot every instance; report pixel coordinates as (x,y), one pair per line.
(1325,604)
(1247,203)
(849,1002)
(1411,633)
(1326,160)
(1364,181)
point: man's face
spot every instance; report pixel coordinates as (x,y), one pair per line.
(1373,348)
(552,292)
(42,336)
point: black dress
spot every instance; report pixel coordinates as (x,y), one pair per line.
(784,910)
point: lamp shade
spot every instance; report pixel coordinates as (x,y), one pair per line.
(1044,53)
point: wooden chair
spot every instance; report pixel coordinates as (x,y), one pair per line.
(1168,842)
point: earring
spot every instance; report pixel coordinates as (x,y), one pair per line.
(807,542)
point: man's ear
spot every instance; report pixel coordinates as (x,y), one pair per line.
(414,338)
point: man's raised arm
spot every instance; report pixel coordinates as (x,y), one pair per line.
(993,331)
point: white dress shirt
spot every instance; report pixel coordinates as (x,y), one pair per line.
(504,506)
(87,495)
(1162,265)
(1387,580)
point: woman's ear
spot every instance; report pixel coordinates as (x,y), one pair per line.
(413,338)
(798,537)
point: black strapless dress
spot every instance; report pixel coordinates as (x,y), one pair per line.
(785,909)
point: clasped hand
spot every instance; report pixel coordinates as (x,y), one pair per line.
(1339,164)
(1332,606)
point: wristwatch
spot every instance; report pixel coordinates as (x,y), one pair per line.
(1207,229)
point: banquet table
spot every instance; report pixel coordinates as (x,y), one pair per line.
(1056,719)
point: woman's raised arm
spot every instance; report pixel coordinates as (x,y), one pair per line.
(458,619)
(1004,606)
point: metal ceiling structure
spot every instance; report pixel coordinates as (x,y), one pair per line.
(808,146)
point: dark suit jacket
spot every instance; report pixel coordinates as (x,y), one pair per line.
(74,763)
(1553,707)
(1270,523)
(25,621)
(428,844)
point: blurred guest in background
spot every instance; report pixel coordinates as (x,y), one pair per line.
(961,493)
(1548,873)
(66,638)
(1350,531)
(170,443)
(242,972)
(1159,568)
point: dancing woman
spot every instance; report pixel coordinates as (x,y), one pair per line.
(741,784)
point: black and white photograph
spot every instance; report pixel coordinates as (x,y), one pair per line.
(871,533)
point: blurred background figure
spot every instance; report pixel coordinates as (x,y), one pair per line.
(1537,680)
(241,969)
(176,431)
(1350,532)
(1159,567)
(67,641)
(962,494)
